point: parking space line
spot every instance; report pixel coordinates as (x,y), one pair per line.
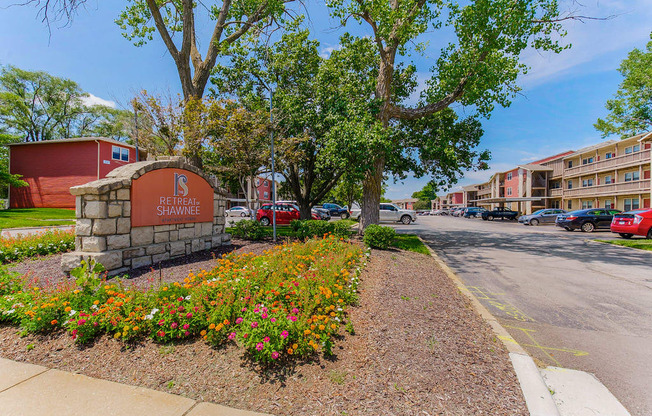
(545,349)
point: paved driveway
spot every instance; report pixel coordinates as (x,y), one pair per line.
(570,302)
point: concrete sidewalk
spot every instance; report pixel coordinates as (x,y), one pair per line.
(32,390)
(15,232)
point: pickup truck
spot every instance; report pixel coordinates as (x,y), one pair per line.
(335,210)
(500,212)
(390,212)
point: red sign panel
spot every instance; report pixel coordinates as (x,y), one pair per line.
(170,196)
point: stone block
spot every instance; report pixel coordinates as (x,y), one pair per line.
(79,206)
(155,249)
(133,252)
(84,227)
(188,249)
(123,194)
(142,236)
(115,210)
(92,197)
(70,260)
(207,245)
(93,244)
(186,233)
(177,248)
(206,229)
(119,271)
(226,237)
(216,240)
(197,245)
(162,237)
(158,228)
(124,225)
(112,195)
(198,229)
(78,243)
(115,242)
(174,235)
(216,210)
(110,260)
(104,226)
(141,262)
(160,257)
(95,209)
(126,209)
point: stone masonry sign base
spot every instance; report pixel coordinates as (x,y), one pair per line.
(104,229)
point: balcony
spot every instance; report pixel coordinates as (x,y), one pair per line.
(555,192)
(617,162)
(484,192)
(610,189)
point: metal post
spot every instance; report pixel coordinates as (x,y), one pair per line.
(136,124)
(271,121)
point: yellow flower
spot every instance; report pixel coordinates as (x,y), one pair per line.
(322,327)
(211,326)
(203,332)
(96,302)
(295,346)
(306,332)
(126,328)
(116,335)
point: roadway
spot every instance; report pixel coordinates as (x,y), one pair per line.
(569,301)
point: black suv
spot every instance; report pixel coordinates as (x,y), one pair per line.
(587,220)
(499,212)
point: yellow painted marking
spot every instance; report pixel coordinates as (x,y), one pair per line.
(509,310)
(545,349)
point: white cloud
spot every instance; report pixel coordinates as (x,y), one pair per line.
(326,52)
(92,100)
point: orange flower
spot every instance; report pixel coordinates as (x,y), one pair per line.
(54,322)
(203,332)
(211,326)
(68,309)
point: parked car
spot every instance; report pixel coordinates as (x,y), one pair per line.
(542,216)
(336,210)
(390,212)
(457,211)
(474,212)
(285,213)
(237,212)
(630,223)
(322,213)
(586,220)
(500,212)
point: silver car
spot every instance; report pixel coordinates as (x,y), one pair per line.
(390,212)
(237,212)
(542,216)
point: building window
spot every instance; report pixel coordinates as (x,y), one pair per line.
(587,161)
(587,204)
(607,180)
(570,164)
(119,153)
(608,204)
(570,184)
(607,155)
(570,205)
(509,176)
(257,181)
(265,183)
(509,191)
(632,176)
(632,149)
(631,204)
(266,194)
(587,182)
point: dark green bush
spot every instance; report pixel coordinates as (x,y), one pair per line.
(304,229)
(377,236)
(249,230)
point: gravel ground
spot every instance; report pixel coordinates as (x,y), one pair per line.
(419,349)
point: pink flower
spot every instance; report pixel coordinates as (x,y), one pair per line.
(186,326)
(259,346)
(94,323)
(272,320)
(284,334)
(172,312)
(264,315)
(266,339)
(256,310)
(239,320)
(254,324)
(189,315)
(187,333)
(295,310)
(264,309)
(196,308)
(161,322)
(243,310)
(81,322)
(232,335)
(174,325)
(179,298)
(274,355)
(181,309)
(161,334)
(292,318)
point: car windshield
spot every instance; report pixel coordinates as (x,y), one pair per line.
(636,211)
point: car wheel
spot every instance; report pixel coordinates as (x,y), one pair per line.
(264,221)
(344,215)
(226,213)
(242,214)
(534,221)
(405,219)
(626,235)
(490,217)
(649,234)
(588,227)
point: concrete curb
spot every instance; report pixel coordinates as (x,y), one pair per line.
(638,250)
(538,399)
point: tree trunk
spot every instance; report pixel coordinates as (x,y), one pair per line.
(372,188)
(304,210)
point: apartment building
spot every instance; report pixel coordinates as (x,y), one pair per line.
(612,174)
(451,200)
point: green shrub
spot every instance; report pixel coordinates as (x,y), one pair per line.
(304,229)
(249,230)
(377,236)
(22,247)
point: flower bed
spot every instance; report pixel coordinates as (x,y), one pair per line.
(22,247)
(287,302)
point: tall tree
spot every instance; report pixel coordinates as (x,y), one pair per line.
(6,178)
(38,106)
(160,123)
(478,68)
(427,193)
(630,111)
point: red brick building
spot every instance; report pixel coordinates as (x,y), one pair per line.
(52,167)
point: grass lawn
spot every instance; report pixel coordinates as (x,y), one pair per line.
(640,243)
(410,242)
(35,217)
(281,231)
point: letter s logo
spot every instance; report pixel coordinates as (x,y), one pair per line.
(180,181)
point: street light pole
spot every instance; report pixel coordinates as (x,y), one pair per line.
(271,121)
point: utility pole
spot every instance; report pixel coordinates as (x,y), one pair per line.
(271,122)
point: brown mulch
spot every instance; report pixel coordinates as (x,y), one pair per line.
(419,349)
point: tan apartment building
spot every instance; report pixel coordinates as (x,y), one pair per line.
(613,174)
(451,200)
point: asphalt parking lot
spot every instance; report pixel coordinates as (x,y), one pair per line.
(569,301)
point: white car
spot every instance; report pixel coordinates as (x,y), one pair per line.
(390,212)
(238,212)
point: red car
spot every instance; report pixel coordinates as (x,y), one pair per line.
(285,213)
(637,222)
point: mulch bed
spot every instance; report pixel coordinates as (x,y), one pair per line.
(419,349)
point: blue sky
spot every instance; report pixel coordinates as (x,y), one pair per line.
(562,95)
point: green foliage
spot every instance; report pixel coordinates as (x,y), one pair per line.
(422,205)
(378,236)
(410,242)
(249,230)
(630,111)
(304,229)
(87,275)
(22,247)
(427,193)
